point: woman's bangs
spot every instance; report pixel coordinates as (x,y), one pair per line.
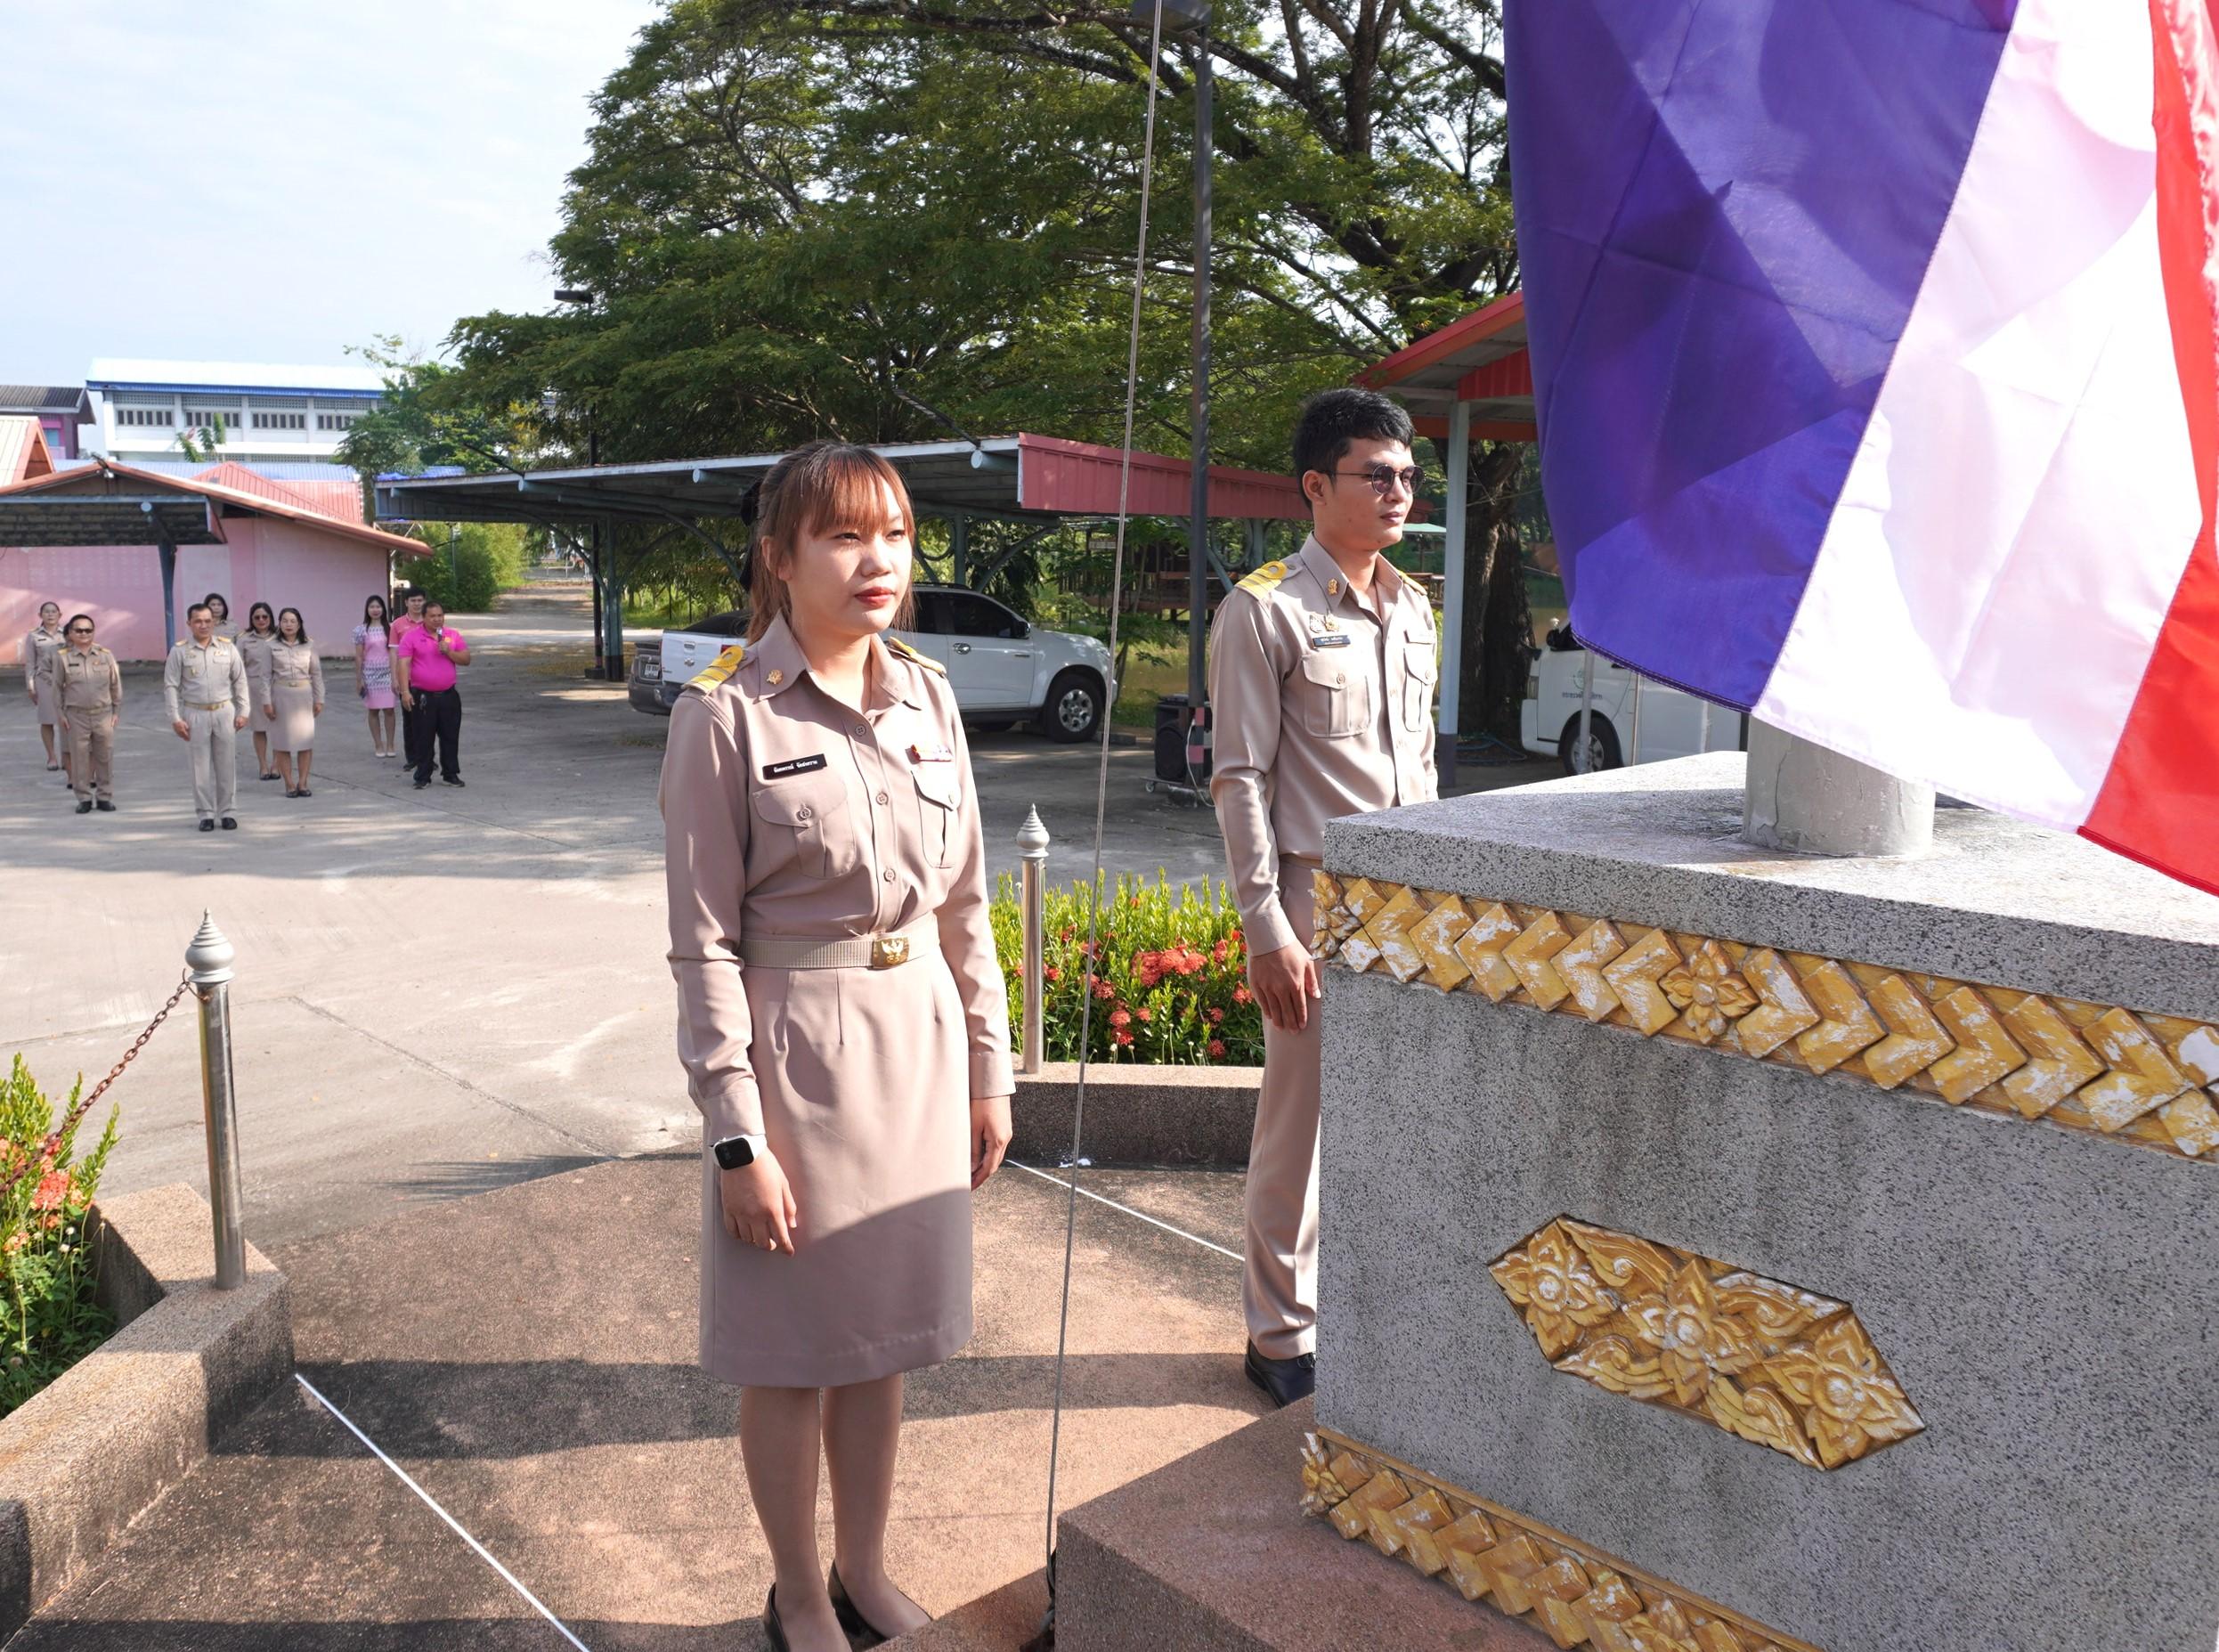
(846,491)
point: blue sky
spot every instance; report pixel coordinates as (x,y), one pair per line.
(269,181)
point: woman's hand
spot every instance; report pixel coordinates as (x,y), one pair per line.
(269,711)
(990,1137)
(759,1208)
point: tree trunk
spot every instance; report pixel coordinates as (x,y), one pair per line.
(1498,627)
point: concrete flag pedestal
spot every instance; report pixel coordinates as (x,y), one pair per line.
(1725,1248)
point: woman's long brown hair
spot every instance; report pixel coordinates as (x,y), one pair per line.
(821,485)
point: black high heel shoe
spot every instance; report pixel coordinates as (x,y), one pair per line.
(772,1628)
(857,1626)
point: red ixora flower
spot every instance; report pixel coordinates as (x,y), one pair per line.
(1217,1048)
(1216,1016)
(1242,995)
(1145,1013)
(1052,974)
(1125,1038)
(54,1191)
(1122,1018)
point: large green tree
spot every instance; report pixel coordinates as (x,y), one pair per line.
(878,219)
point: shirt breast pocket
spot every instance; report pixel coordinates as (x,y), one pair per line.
(940,808)
(813,814)
(1420,671)
(1336,700)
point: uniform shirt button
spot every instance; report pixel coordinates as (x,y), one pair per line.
(861,733)
(803,813)
(883,798)
(887,876)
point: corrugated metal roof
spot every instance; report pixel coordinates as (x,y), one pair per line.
(342,502)
(108,475)
(46,399)
(151,374)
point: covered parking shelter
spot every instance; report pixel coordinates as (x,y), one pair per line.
(1041,480)
(1471,381)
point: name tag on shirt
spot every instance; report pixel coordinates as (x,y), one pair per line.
(931,755)
(794,766)
(1328,639)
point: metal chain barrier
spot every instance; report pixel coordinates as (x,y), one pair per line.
(184,985)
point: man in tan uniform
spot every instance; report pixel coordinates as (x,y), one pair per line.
(88,690)
(204,685)
(1322,678)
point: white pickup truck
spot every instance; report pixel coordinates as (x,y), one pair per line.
(1003,670)
(1671,723)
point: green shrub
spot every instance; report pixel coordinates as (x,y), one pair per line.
(487,558)
(1171,987)
(48,1318)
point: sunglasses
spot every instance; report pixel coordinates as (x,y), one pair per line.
(81,631)
(1384,477)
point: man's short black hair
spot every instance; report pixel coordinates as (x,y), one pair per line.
(200,608)
(1334,419)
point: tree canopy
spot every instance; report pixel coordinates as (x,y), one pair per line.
(848,217)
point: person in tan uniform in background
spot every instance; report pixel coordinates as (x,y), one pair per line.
(43,641)
(254,647)
(843,1022)
(1321,673)
(88,692)
(204,687)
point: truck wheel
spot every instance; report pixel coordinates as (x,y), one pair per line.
(1073,711)
(1602,745)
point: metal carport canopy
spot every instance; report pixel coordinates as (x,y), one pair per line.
(1018,478)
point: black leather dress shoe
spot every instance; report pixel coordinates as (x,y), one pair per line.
(1283,1381)
(230,825)
(774,1631)
(105,806)
(856,1627)
(207,826)
(85,805)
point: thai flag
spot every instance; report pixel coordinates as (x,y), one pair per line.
(1874,350)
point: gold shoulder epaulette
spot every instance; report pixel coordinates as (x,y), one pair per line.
(913,658)
(719,668)
(1266,580)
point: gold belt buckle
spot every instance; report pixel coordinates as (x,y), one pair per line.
(889,950)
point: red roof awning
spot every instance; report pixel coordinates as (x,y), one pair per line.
(1479,358)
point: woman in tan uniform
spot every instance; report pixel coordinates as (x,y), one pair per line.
(254,647)
(39,648)
(294,691)
(842,1023)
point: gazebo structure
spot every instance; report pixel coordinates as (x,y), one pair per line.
(1041,480)
(1471,381)
(80,537)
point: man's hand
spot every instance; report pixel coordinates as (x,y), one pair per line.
(1284,983)
(408,702)
(759,1208)
(990,1137)
(184,729)
(237,723)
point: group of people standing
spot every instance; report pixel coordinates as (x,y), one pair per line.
(267,679)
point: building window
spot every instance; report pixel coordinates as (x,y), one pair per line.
(162,417)
(336,421)
(281,421)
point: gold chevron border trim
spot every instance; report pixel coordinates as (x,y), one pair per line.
(1579,1596)
(1777,1364)
(2142,1078)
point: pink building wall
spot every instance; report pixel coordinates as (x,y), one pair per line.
(284,564)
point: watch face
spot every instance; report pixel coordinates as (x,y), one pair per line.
(736,1154)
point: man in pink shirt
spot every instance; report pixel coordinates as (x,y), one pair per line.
(424,666)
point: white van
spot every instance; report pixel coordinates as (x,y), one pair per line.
(1672,721)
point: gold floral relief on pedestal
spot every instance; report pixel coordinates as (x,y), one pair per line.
(1778,1366)
(2135,1076)
(1577,1594)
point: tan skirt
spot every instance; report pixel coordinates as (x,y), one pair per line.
(866,1103)
(49,701)
(257,723)
(293,728)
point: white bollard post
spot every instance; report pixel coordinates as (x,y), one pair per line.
(1032,848)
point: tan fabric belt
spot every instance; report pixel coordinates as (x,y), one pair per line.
(209,705)
(294,682)
(864,952)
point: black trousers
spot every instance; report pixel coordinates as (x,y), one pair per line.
(437,720)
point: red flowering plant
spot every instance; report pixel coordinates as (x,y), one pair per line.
(1168,976)
(49,1318)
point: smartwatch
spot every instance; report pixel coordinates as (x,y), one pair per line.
(737,1152)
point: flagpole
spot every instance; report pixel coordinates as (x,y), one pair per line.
(1801,797)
